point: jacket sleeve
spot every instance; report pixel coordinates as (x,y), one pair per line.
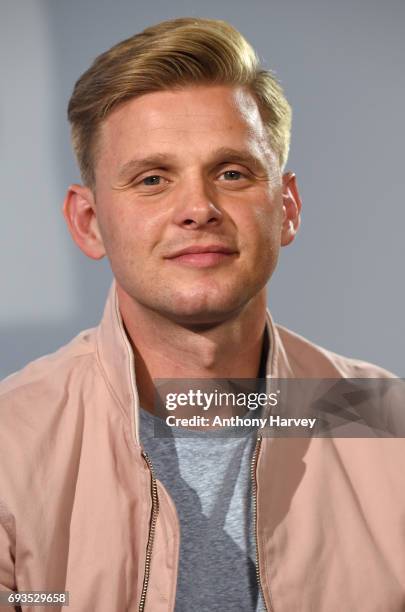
(7,574)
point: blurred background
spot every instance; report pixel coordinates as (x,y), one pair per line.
(342,67)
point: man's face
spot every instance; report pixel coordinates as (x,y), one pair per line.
(189,201)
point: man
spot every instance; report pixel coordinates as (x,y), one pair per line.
(182,140)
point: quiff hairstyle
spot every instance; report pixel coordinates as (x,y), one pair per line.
(172,55)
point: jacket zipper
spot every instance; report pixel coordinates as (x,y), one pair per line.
(253,466)
(151,536)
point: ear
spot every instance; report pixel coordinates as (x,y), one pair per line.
(291,209)
(80,214)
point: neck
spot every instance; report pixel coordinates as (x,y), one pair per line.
(166,349)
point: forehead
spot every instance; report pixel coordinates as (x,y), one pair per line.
(190,121)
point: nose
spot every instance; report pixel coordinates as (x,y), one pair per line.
(196,207)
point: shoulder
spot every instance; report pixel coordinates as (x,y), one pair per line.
(309,360)
(48,376)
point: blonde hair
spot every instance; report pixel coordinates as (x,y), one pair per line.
(170,55)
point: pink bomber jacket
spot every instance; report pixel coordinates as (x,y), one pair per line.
(81,510)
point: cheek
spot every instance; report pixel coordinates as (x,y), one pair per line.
(123,229)
(262,226)
(264,236)
(134,244)
(116,232)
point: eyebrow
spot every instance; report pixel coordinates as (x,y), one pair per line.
(159,160)
(244,156)
(138,165)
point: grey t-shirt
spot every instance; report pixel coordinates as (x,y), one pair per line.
(208,478)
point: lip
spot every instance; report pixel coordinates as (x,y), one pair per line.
(203,256)
(198,249)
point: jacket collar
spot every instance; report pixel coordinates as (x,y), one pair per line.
(117,361)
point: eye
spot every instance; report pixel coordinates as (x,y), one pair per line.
(154,179)
(232,175)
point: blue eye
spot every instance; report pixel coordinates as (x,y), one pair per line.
(152,180)
(232,175)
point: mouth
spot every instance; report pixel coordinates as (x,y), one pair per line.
(199,256)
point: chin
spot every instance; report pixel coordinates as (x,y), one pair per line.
(206,311)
